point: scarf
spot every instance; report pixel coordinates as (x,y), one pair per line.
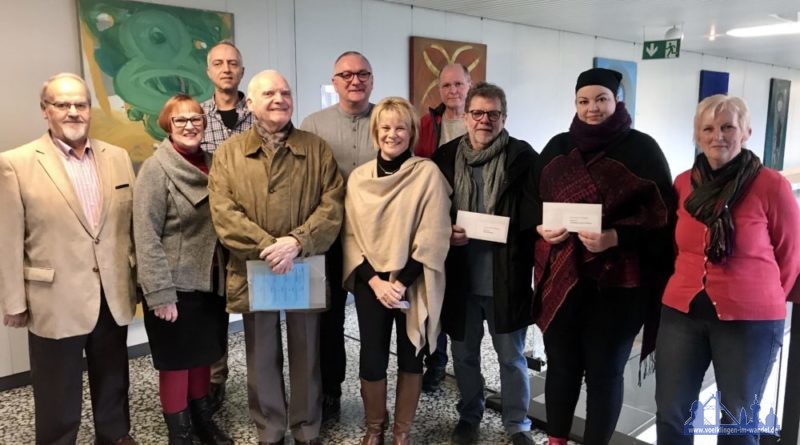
(392,218)
(274,141)
(494,175)
(714,193)
(589,138)
(197,158)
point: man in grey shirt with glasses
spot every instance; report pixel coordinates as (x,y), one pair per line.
(345,127)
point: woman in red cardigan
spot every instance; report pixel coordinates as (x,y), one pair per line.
(737,263)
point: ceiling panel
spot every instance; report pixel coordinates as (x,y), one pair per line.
(637,20)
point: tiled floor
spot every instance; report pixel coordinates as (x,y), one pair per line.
(436,415)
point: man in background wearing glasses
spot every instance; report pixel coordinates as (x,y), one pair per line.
(66,269)
(345,127)
(489,170)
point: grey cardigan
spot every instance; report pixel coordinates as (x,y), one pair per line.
(175,240)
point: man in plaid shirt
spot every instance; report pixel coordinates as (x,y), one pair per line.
(227,115)
(226,110)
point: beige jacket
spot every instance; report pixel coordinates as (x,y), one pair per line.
(53,262)
(257,196)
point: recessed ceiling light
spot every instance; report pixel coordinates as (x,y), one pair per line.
(777,29)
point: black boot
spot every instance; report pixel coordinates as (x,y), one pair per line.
(179,426)
(204,426)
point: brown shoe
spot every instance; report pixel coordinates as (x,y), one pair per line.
(409,387)
(373,395)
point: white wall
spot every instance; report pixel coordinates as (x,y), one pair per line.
(537,67)
(301,38)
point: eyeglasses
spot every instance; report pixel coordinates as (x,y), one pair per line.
(63,107)
(347,76)
(493,115)
(180,122)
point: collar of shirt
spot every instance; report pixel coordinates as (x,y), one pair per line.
(254,143)
(68,151)
(365,114)
(241,105)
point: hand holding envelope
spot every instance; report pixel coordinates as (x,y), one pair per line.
(483,226)
(572,216)
(559,219)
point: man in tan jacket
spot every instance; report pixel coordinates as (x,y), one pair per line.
(276,193)
(66,269)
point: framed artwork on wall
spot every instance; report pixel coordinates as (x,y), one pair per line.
(627,88)
(712,82)
(137,55)
(429,56)
(777,118)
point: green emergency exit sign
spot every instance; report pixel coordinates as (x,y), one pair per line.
(661,49)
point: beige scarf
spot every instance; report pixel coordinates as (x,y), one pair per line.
(388,220)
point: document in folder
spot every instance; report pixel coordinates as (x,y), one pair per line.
(301,289)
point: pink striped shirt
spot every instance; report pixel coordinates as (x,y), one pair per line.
(82,172)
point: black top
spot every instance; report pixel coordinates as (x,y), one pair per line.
(386,168)
(229,118)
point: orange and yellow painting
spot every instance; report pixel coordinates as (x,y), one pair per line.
(429,56)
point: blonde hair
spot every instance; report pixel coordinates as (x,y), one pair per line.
(404,109)
(720,102)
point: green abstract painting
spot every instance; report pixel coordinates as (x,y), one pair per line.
(136,56)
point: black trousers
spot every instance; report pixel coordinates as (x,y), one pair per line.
(375,326)
(57,379)
(333,359)
(592,334)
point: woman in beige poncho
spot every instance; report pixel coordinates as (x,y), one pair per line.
(396,237)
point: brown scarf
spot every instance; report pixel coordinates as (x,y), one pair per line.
(715,193)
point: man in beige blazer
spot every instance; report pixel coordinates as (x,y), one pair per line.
(66,267)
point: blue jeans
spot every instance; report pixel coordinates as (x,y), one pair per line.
(742,353)
(514,383)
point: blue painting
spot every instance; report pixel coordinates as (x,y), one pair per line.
(777,118)
(627,88)
(713,82)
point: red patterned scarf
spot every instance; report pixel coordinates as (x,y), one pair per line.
(628,200)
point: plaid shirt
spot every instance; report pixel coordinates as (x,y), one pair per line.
(216,131)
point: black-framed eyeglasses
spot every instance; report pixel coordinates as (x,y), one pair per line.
(347,76)
(180,121)
(81,107)
(493,115)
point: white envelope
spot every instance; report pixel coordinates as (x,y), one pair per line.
(572,216)
(483,226)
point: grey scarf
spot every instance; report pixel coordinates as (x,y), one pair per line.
(493,158)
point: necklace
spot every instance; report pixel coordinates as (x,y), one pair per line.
(387,172)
